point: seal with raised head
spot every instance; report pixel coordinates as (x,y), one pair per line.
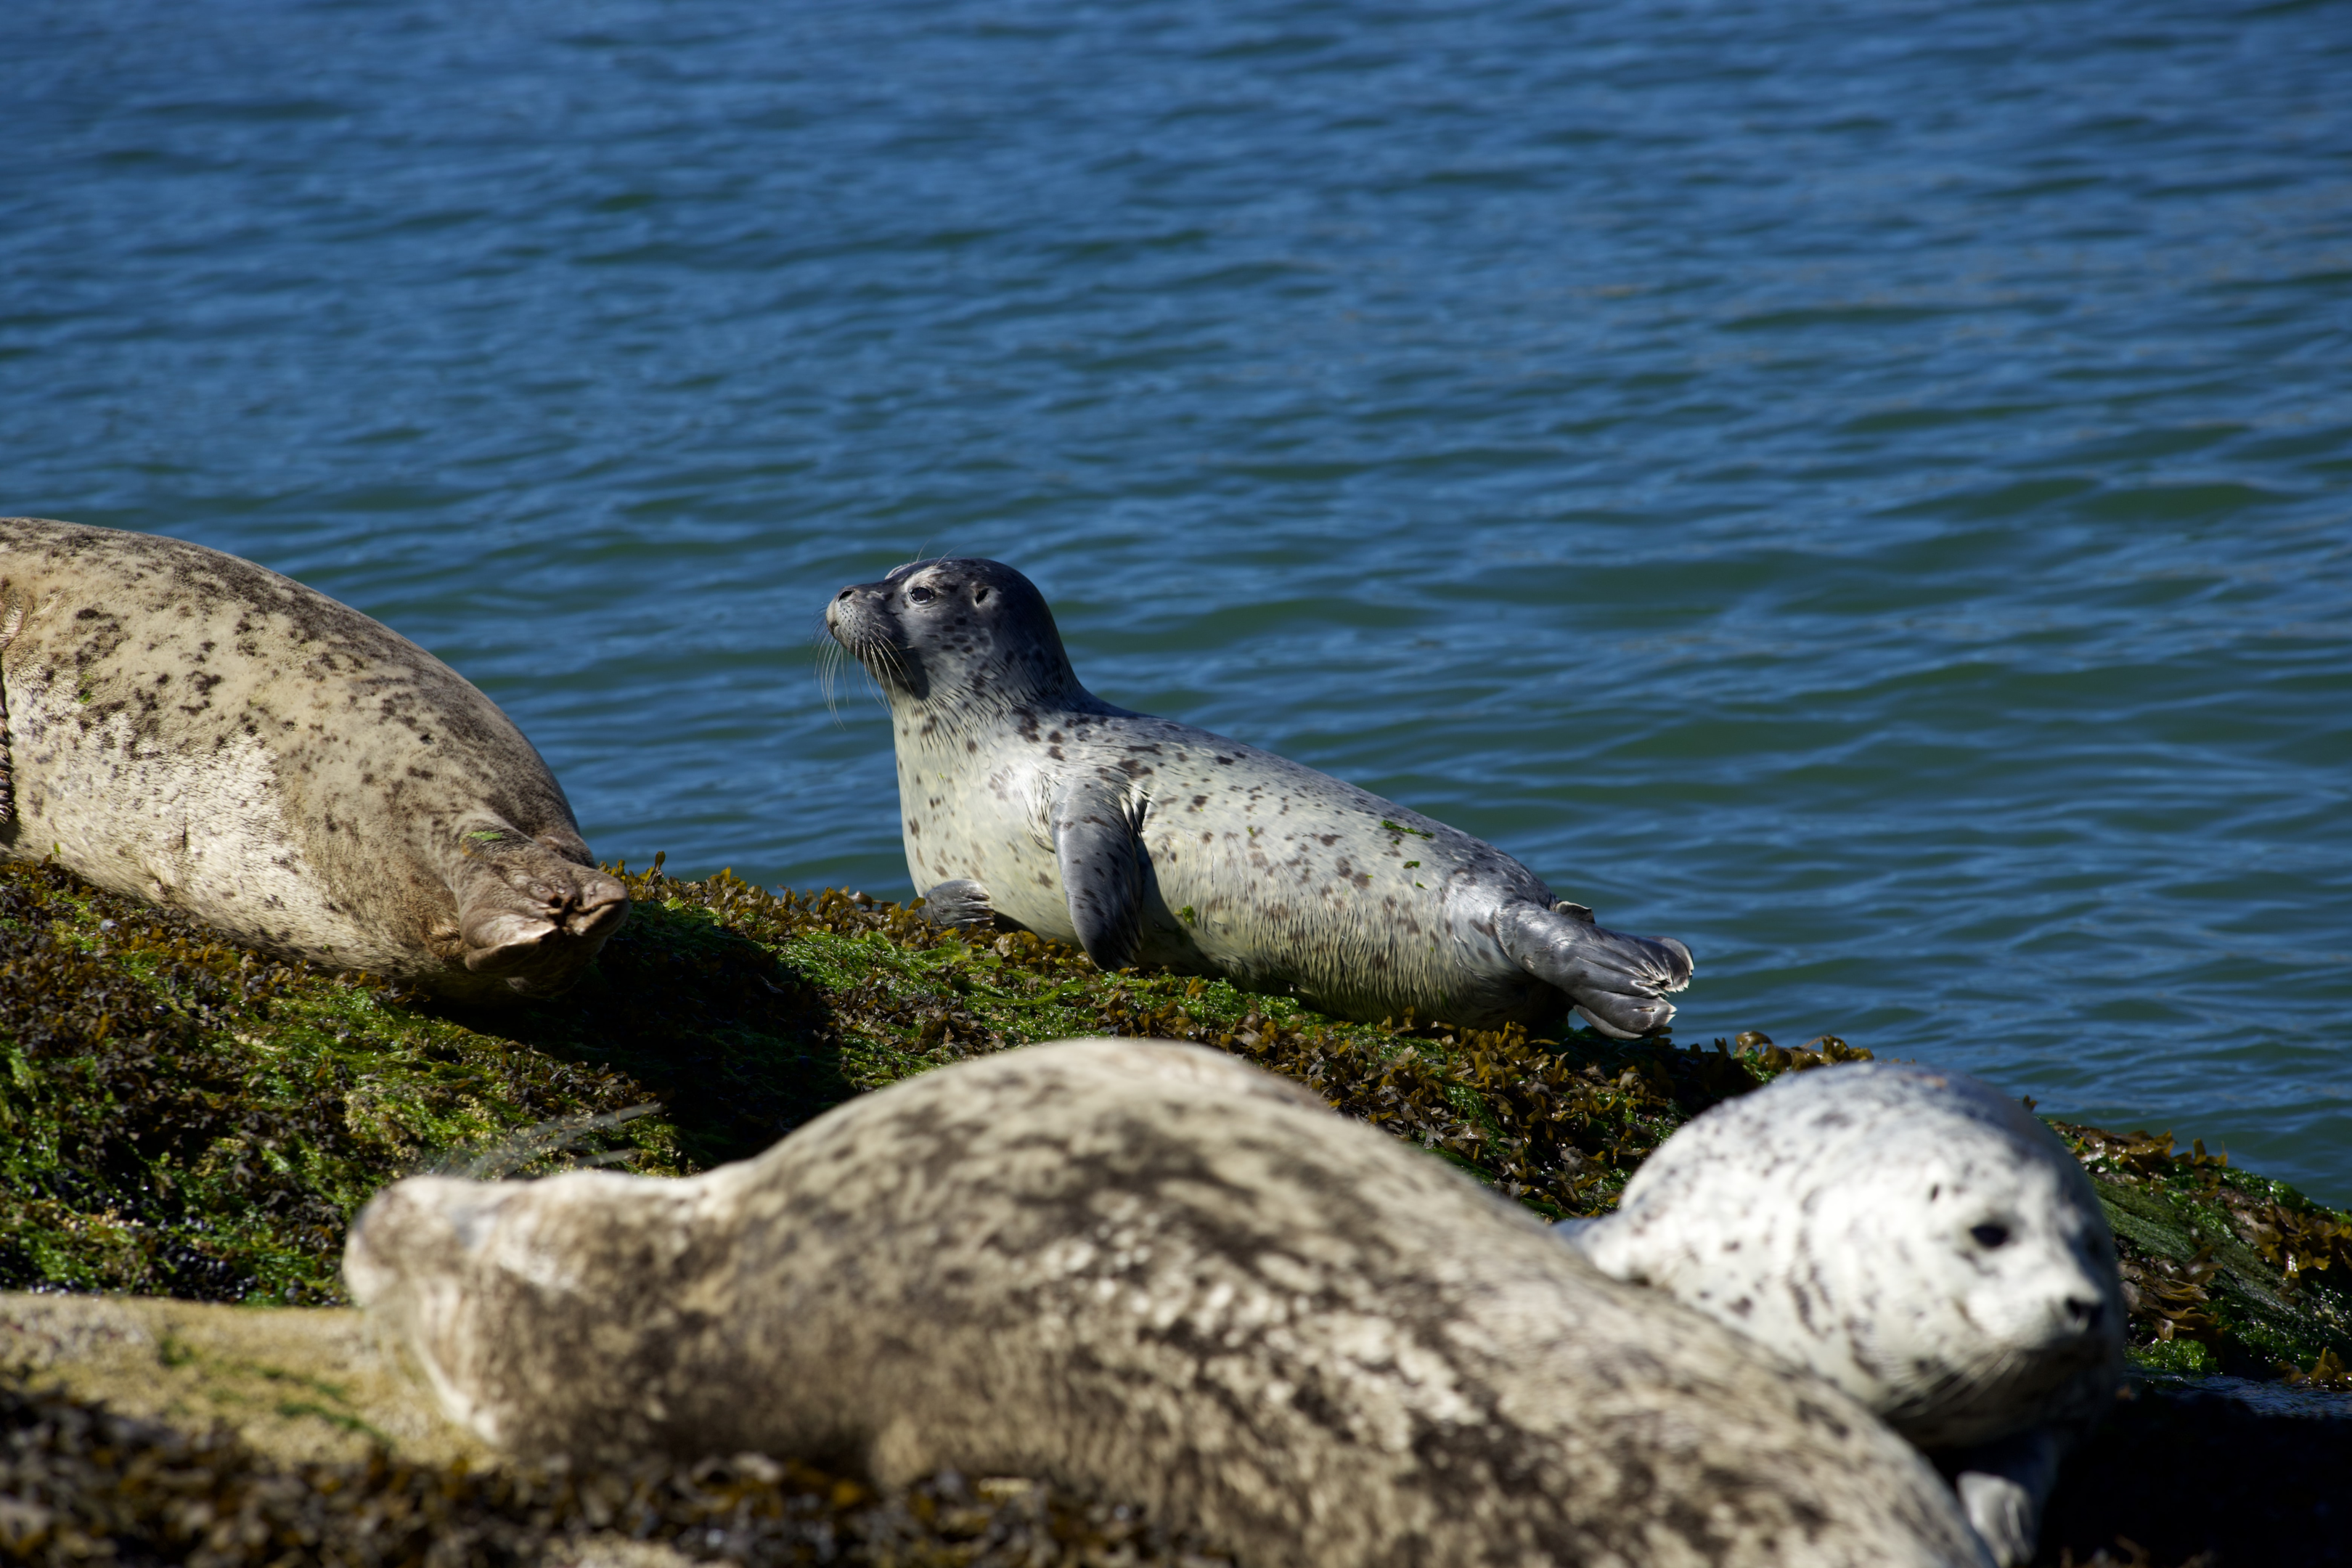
(189,727)
(1915,1236)
(1026,797)
(1156,1275)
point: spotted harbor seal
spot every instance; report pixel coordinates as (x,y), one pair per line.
(1913,1235)
(1026,796)
(189,727)
(1156,1275)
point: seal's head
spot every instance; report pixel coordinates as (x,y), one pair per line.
(595,1263)
(1912,1235)
(960,633)
(408,1259)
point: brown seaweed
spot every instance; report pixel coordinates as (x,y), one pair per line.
(183,1116)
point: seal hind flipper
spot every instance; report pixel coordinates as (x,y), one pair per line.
(525,909)
(1617,982)
(1100,857)
(958,904)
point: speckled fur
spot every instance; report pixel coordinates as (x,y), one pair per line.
(1149,841)
(187,727)
(1841,1215)
(1159,1276)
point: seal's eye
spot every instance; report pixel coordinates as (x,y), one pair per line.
(980,594)
(1989,1236)
(919,595)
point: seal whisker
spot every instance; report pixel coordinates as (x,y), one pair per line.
(876,662)
(879,652)
(830,654)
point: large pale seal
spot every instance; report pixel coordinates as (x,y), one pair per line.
(1147,841)
(187,727)
(1913,1235)
(1158,1275)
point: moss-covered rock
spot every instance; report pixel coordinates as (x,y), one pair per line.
(181,1116)
(83,1486)
(2225,1271)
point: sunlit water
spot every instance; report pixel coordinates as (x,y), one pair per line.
(1860,488)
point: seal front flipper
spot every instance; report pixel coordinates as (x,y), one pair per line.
(958,904)
(2002,1486)
(1100,855)
(1617,982)
(530,913)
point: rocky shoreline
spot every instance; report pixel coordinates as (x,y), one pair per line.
(183,1118)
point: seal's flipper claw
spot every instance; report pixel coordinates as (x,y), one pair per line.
(1618,983)
(1101,861)
(958,904)
(1647,1023)
(529,914)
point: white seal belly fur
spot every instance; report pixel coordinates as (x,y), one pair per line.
(1915,1236)
(1156,1275)
(1143,840)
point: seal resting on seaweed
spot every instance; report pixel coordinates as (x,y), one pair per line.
(1156,1275)
(187,727)
(1143,840)
(1911,1234)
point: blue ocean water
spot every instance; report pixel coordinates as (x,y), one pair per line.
(1859,488)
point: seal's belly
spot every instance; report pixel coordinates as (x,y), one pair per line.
(995,830)
(204,832)
(1366,913)
(1259,869)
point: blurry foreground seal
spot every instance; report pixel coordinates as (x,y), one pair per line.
(187,727)
(1913,1235)
(1144,840)
(1155,1274)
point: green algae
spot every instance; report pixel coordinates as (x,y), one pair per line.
(2226,1271)
(184,1116)
(181,1115)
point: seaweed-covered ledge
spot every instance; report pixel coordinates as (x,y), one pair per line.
(186,1118)
(183,1116)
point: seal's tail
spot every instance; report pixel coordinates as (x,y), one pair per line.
(1618,983)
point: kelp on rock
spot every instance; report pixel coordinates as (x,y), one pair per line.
(181,1115)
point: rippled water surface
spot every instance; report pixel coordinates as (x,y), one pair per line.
(1860,489)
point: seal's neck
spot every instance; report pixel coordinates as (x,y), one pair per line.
(943,720)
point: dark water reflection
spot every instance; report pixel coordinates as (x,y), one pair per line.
(1860,488)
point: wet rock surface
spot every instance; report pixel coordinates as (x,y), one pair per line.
(2219,1472)
(183,1117)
